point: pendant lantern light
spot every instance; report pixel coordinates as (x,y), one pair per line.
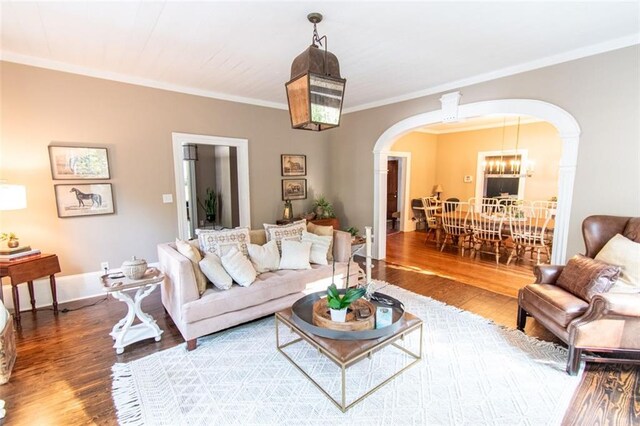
(316,90)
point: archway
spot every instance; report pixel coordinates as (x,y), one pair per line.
(568,130)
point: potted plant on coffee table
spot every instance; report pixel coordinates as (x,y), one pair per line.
(338,304)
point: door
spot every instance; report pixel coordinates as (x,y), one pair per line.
(392,191)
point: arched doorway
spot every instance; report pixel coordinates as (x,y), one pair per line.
(568,130)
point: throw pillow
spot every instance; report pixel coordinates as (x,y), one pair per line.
(212,268)
(192,253)
(239,267)
(319,247)
(220,242)
(264,258)
(325,231)
(625,253)
(295,255)
(585,277)
(292,231)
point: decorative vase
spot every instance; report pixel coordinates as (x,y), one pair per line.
(319,212)
(338,315)
(134,269)
(13,243)
(287,214)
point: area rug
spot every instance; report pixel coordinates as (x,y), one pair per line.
(473,372)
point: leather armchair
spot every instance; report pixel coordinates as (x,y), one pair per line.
(610,322)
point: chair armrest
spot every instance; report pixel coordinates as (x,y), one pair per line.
(179,286)
(547,274)
(619,304)
(341,246)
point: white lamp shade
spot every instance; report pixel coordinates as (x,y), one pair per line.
(13,197)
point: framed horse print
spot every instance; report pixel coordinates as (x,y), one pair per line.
(81,199)
(293,164)
(75,162)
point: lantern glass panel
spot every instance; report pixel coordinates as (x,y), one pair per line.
(326,99)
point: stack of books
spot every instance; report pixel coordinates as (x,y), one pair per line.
(16,253)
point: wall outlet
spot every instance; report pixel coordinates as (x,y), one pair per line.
(104,266)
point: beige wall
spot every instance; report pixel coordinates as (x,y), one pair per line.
(600,91)
(458,156)
(422,147)
(135,123)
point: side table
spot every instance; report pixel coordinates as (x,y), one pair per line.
(124,333)
(27,269)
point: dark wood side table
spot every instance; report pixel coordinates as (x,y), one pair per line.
(26,270)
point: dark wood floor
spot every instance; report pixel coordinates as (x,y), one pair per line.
(63,371)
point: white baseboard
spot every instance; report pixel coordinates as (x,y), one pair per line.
(68,287)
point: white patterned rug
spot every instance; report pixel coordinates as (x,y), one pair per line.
(473,372)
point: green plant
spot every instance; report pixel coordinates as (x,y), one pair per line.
(324,205)
(210,205)
(353,231)
(335,301)
(8,236)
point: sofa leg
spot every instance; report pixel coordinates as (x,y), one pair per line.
(191,344)
(573,364)
(522,318)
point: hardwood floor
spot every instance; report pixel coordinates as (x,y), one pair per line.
(62,374)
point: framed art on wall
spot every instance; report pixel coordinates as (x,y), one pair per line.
(294,189)
(73,162)
(293,164)
(91,199)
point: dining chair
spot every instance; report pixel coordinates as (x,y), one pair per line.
(455,224)
(486,225)
(528,226)
(430,205)
(549,208)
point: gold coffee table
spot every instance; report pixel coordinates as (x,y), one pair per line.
(345,353)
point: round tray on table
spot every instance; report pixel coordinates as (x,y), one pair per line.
(302,314)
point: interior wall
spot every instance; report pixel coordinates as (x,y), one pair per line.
(457,156)
(134,123)
(423,149)
(600,91)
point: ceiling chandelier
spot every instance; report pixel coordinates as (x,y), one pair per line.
(315,91)
(510,165)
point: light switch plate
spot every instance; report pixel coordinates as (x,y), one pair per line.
(468,178)
(167,198)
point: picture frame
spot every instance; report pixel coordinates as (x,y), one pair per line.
(294,189)
(78,162)
(293,165)
(84,199)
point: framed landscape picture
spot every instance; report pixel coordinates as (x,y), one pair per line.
(294,189)
(72,162)
(293,164)
(84,199)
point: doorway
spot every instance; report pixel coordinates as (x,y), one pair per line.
(393,209)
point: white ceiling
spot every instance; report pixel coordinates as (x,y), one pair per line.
(388,51)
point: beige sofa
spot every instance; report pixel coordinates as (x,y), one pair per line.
(215,310)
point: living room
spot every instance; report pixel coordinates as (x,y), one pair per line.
(50,97)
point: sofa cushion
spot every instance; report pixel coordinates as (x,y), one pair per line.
(193,254)
(624,253)
(258,236)
(319,247)
(585,277)
(239,267)
(268,286)
(220,242)
(212,268)
(324,231)
(265,257)
(555,302)
(295,255)
(292,231)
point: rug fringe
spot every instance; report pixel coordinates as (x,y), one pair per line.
(125,396)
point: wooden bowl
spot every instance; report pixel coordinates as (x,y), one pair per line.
(322,316)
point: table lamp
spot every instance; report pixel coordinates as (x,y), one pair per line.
(438,190)
(12,197)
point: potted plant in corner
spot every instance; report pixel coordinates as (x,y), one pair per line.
(338,304)
(210,205)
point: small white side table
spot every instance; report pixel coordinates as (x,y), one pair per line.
(124,333)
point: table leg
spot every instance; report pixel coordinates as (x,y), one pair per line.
(16,302)
(54,293)
(31,297)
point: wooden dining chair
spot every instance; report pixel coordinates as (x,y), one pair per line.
(455,224)
(486,224)
(430,205)
(528,226)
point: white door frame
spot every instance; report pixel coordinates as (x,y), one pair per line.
(404,183)
(242,146)
(565,123)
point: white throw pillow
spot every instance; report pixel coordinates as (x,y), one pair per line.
(625,253)
(292,231)
(239,267)
(193,254)
(319,247)
(220,242)
(212,268)
(264,258)
(295,255)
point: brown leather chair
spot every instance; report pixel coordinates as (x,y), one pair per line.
(609,323)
